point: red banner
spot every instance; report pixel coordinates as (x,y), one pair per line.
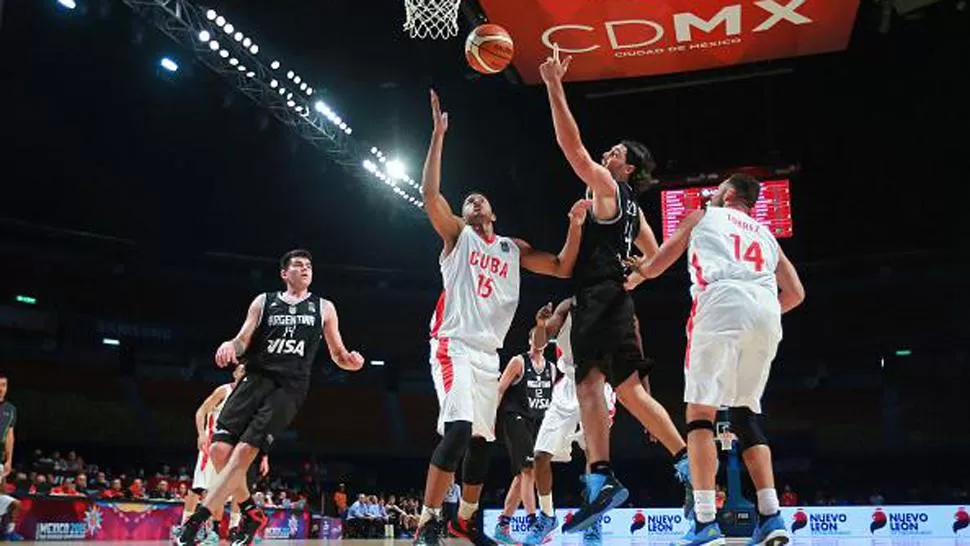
(626,38)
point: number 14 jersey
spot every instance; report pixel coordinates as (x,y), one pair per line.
(480,291)
(729,245)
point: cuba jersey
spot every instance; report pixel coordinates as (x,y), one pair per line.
(481,291)
(729,245)
(564,349)
(213,417)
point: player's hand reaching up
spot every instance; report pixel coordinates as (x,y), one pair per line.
(544,314)
(226,354)
(351,361)
(554,69)
(577,214)
(440,118)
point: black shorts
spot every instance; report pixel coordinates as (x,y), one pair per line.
(519,436)
(604,335)
(256,412)
(252,473)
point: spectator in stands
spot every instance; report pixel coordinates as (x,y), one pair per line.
(161,491)
(136,490)
(73,464)
(101,482)
(183,490)
(789,497)
(115,491)
(67,489)
(877,499)
(81,481)
(165,473)
(21,484)
(357,517)
(376,517)
(41,485)
(284,501)
(340,500)
(184,474)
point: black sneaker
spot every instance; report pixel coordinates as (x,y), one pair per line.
(468,528)
(232,534)
(188,535)
(252,523)
(430,533)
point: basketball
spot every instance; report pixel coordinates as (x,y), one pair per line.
(489,49)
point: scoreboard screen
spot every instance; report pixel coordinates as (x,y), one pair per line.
(773,209)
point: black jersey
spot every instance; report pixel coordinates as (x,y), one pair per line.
(531,395)
(286,341)
(606,243)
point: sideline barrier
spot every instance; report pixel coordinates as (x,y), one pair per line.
(834,522)
(63,518)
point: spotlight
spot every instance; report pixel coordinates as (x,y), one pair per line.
(289,75)
(233,61)
(373,150)
(247,42)
(290,96)
(348,130)
(299,108)
(228,28)
(220,20)
(303,86)
(342,125)
(250,74)
(290,103)
(204,36)
(309,90)
(275,65)
(282,90)
(211,15)
(296,79)
(273,83)
(214,45)
(254,49)
(383,159)
(238,36)
(396,169)
(169,64)
(223,53)
(319,106)
(241,68)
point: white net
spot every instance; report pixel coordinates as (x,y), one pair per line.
(435,19)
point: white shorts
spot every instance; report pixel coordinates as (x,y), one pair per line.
(561,424)
(466,381)
(205,472)
(732,337)
(5,502)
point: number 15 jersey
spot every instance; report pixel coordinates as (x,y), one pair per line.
(729,245)
(480,291)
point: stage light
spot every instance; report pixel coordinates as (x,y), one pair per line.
(247,42)
(383,159)
(211,15)
(348,130)
(238,36)
(289,75)
(282,90)
(228,28)
(169,64)
(29,300)
(214,45)
(309,90)
(204,36)
(303,86)
(296,79)
(111,341)
(233,61)
(396,169)
(273,83)
(220,20)
(241,68)
(254,49)
(275,65)
(223,53)
(250,74)
(290,103)
(342,125)
(320,106)
(376,362)
(373,150)
(289,96)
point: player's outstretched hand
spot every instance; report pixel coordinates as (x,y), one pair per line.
(351,362)
(544,314)
(226,354)
(440,118)
(554,69)
(577,214)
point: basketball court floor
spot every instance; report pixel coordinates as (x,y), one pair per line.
(956,541)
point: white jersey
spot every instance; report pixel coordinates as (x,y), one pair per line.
(729,245)
(564,348)
(213,417)
(481,291)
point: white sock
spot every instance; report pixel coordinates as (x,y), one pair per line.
(186,515)
(545,504)
(767,502)
(11,527)
(427,513)
(466,510)
(704,506)
(234,518)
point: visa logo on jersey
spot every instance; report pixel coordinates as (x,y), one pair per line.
(286,347)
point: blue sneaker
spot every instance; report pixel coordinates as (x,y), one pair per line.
(702,534)
(503,533)
(544,526)
(593,535)
(682,472)
(13,536)
(770,532)
(603,493)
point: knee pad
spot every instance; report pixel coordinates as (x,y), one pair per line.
(475,467)
(700,424)
(452,445)
(746,425)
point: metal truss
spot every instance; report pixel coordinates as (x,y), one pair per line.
(182,21)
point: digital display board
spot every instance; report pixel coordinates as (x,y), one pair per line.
(773,209)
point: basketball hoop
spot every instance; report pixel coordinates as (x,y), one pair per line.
(724,436)
(435,19)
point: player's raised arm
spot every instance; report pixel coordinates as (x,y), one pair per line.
(540,337)
(596,177)
(670,250)
(791,293)
(557,265)
(555,322)
(347,360)
(512,373)
(213,400)
(230,350)
(439,211)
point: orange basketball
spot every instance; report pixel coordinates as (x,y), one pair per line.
(489,49)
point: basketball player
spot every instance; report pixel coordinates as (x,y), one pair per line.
(9,506)
(525,391)
(280,337)
(736,269)
(604,341)
(480,273)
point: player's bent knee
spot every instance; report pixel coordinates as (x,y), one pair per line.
(475,466)
(746,425)
(452,447)
(700,424)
